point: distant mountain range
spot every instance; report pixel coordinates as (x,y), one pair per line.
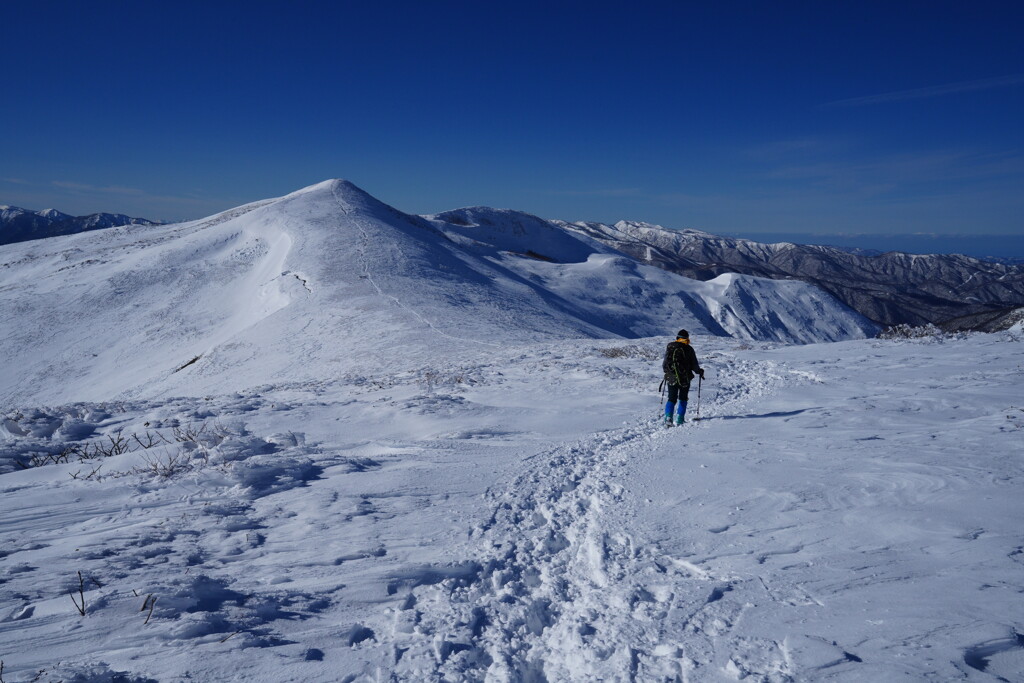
(890,288)
(20,225)
(1003,248)
(992,321)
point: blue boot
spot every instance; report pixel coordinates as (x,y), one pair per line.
(682,413)
(669,409)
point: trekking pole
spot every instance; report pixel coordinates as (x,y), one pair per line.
(699,383)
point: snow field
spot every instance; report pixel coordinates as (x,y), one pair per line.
(484,519)
(225,551)
(866,522)
(560,591)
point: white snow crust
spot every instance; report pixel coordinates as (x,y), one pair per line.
(316,439)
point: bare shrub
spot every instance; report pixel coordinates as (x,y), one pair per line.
(905,331)
(150,439)
(192,437)
(204,435)
(428,379)
(166,464)
(80,601)
(94,473)
(630,351)
(189,433)
(151,602)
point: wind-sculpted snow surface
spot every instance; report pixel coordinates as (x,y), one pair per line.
(841,512)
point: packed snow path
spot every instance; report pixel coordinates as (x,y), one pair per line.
(560,592)
(843,512)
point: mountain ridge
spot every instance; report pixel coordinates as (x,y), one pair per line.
(21,225)
(329,276)
(890,288)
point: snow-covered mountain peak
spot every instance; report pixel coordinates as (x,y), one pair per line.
(514,231)
(642,225)
(653,233)
(331,276)
(338,188)
(342,198)
(331,185)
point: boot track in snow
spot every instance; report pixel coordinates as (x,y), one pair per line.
(556,593)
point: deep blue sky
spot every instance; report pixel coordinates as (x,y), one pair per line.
(889,117)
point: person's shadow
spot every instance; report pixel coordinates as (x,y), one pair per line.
(789,413)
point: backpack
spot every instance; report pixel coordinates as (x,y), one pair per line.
(677,365)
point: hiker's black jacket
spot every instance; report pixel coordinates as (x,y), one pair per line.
(680,363)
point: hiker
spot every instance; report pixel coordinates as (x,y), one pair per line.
(680,365)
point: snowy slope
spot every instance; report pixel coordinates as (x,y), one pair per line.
(328,279)
(277,289)
(639,300)
(844,512)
